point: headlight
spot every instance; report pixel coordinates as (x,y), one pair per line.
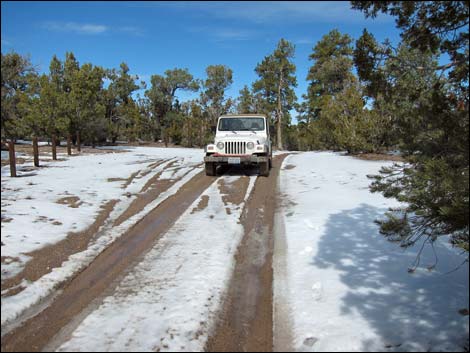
(220,145)
(250,145)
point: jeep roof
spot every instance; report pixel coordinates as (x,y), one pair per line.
(243,116)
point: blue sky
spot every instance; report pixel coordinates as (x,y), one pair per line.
(152,37)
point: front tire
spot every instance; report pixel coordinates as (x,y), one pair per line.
(264,169)
(211,168)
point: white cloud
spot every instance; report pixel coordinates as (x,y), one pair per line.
(80,28)
(136,31)
(263,12)
(6,43)
(90,29)
(226,33)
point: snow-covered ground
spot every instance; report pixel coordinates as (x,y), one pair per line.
(6,155)
(343,288)
(169,301)
(32,218)
(346,288)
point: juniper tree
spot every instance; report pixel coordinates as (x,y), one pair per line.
(120,107)
(162,93)
(17,72)
(71,67)
(86,104)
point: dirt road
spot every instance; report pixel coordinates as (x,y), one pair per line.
(245,320)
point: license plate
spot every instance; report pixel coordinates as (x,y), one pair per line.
(233,160)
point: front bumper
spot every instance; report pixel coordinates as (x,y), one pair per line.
(245,159)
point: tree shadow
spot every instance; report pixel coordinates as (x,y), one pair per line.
(409,311)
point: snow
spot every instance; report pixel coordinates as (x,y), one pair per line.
(345,287)
(6,155)
(38,220)
(28,142)
(169,301)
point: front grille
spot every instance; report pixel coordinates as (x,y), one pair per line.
(235,147)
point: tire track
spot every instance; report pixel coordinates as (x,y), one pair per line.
(80,291)
(246,319)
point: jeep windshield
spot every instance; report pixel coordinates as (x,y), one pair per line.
(241,124)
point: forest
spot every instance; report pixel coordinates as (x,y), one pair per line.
(363,97)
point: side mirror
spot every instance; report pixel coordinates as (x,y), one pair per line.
(272,130)
(213,129)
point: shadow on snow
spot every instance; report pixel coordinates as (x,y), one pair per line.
(417,311)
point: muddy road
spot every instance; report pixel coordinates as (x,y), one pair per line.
(245,320)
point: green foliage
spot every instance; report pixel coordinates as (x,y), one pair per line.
(119,105)
(275,86)
(17,72)
(331,71)
(43,112)
(219,78)
(429,109)
(162,93)
(334,111)
(350,126)
(85,102)
(369,57)
(246,101)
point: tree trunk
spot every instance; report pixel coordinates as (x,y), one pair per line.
(69,145)
(279,114)
(12,156)
(36,151)
(201,133)
(54,148)
(79,146)
(190,134)
(165,138)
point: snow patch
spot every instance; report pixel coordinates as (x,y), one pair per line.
(170,300)
(25,200)
(346,287)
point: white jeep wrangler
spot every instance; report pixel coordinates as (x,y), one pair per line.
(240,139)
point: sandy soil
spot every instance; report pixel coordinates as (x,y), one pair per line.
(46,259)
(245,321)
(104,272)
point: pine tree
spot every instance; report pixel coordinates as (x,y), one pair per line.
(432,116)
(275,86)
(246,101)
(219,78)
(330,74)
(369,59)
